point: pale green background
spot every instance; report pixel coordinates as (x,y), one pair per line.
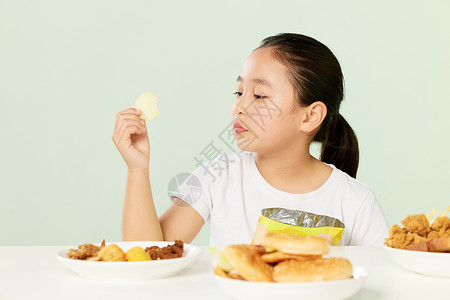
(68,67)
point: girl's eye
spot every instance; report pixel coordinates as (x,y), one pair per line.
(237,94)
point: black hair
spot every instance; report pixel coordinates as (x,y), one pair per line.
(317,76)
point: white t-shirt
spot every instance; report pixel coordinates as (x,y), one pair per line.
(229,192)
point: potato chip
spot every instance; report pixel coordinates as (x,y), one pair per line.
(146,103)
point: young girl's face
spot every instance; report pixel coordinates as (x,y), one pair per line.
(265,114)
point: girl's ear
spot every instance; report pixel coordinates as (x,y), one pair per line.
(313,116)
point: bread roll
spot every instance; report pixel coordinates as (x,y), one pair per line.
(312,270)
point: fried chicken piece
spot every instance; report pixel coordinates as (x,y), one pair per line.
(417,224)
(83,252)
(433,235)
(397,237)
(400,238)
(418,235)
(170,251)
(441,226)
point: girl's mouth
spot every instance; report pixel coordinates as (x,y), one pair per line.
(238,128)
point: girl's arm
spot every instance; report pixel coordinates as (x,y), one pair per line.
(181,222)
(140,220)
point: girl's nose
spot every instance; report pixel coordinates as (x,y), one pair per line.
(240,107)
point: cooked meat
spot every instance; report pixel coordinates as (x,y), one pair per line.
(84,251)
(170,251)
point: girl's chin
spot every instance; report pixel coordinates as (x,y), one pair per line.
(246,145)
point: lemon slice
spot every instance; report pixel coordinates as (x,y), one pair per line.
(146,103)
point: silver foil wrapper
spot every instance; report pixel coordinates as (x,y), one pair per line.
(300,218)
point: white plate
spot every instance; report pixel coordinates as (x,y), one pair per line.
(425,263)
(131,270)
(334,289)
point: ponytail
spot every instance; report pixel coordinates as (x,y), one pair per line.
(340,146)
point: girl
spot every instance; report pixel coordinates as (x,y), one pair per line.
(288,94)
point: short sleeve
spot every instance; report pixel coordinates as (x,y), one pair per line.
(370,227)
(195,190)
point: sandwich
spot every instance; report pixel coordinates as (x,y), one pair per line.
(282,258)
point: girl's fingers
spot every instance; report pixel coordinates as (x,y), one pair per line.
(126,129)
(130,111)
(125,116)
(128,117)
(129,123)
(124,134)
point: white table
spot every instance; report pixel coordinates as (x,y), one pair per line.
(35,273)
